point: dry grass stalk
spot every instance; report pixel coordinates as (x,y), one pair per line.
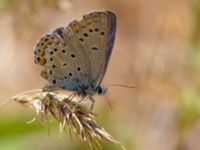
(67,112)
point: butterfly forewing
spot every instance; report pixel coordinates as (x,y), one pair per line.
(93,34)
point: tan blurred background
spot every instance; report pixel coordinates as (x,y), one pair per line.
(156,49)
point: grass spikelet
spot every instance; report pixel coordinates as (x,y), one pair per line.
(68,112)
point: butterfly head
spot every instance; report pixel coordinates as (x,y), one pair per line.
(84,91)
(101,90)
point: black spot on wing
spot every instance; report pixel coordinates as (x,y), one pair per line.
(94,48)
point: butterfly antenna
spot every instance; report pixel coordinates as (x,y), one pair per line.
(121,85)
(5,103)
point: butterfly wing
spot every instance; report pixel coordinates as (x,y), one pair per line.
(60,60)
(78,54)
(95,33)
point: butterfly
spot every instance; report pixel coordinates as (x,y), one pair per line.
(76,57)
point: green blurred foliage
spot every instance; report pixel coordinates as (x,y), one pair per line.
(189,110)
(196,23)
(14,130)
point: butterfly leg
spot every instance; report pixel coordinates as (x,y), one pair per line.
(93,102)
(70,97)
(79,102)
(91,99)
(83,99)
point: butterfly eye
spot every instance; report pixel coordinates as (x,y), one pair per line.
(99,90)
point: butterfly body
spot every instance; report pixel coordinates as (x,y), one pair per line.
(76,57)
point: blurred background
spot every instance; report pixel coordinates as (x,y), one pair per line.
(157,49)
